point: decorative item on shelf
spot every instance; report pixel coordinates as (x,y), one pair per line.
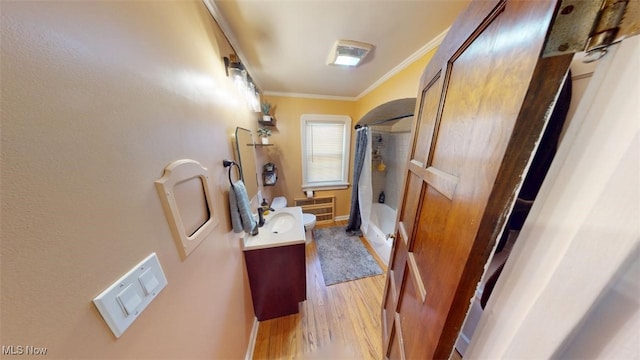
(264,134)
(269,174)
(267,111)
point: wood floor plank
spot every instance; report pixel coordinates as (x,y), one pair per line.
(337,321)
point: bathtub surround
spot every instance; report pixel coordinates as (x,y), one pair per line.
(382,224)
(394,154)
(343,257)
(387,144)
(391,144)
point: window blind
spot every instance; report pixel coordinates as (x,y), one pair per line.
(325,151)
(325,142)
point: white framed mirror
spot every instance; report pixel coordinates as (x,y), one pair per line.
(184,193)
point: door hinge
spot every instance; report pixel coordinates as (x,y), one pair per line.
(591,26)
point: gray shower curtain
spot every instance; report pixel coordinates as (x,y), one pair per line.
(353,226)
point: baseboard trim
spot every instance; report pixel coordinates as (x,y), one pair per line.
(252,339)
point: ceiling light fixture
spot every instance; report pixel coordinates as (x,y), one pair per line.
(348,53)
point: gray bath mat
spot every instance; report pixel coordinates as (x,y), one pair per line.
(343,257)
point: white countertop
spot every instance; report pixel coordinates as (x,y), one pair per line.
(269,237)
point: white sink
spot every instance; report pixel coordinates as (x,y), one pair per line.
(282,227)
(281,222)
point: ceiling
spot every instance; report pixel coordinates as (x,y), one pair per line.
(284,44)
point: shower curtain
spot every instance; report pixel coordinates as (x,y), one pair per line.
(365,189)
(361,192)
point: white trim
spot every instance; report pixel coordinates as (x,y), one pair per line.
(331,186)
(252,339)
(345,121)
(434,43)
(309,96)
(175,173)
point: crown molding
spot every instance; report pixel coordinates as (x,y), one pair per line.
(434,43)
(226,29)
(309,96)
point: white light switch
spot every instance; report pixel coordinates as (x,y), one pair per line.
(122,302)
(149,282)
(129,299)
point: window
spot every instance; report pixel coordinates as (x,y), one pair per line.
(325,151)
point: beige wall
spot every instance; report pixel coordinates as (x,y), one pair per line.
(286,150)
(402,85)
(97,98)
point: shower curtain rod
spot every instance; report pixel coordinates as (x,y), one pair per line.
(383,121)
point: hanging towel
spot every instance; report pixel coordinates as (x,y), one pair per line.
(240,208)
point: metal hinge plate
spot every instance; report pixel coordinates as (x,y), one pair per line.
(591,25)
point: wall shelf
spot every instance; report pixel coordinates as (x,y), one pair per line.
(267,123)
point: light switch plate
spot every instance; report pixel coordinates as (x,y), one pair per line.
(119,304)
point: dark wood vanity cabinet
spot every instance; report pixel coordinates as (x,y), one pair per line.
(278,280)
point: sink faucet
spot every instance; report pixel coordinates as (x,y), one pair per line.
(260,217)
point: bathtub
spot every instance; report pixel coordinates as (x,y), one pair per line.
(381,225)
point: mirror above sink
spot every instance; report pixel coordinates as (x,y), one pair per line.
(245,150)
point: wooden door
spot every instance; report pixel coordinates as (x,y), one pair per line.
(484,100)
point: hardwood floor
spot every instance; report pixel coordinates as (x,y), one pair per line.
(340,321)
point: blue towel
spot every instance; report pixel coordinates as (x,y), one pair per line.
(240,207)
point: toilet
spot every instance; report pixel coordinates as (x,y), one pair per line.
(309,220)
